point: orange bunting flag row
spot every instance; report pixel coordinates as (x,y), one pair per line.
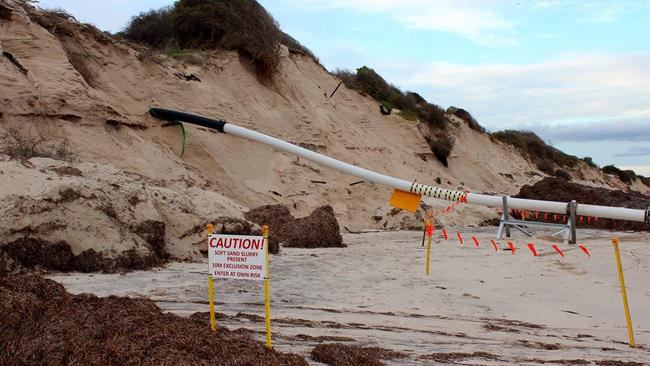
(495,245)
(448,209)
(531,246)
(526,215)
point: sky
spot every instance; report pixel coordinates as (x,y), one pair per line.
(576,72)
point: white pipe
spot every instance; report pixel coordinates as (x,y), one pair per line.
(617,213)
(426,190)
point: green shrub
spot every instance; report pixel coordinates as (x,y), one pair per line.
(434,115)
(441,146)
(546,166)
(590,162)
(610,169)
(416,97)
(347,77)
(626,176)
(644,180)
(467,117)
(241,25)
(534,148)
(373,84)
(562,174)
(21,144)
(408,115)
(154,28)
(296,47)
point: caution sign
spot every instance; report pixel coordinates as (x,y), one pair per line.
(237,256)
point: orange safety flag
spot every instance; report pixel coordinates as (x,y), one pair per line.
(405,200)
(582,219)
(475,239)
(532,249)
(512,247)
(557,250)
(554,217)
(429,229)
(584,249)
(545,216)
(536,215)
(494,244)
(444,233)
(460,238)
(588,219)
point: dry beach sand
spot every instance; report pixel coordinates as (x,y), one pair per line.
(519,309)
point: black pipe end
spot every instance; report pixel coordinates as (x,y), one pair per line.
(177,116)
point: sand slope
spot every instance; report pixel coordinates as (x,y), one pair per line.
(93,92)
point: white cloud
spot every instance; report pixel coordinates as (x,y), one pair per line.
(634,131)
(475,20)
(638,169)
(571,89)
(602,16)
(110,15)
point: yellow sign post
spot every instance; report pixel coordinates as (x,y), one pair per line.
(630,331)
(267,289)
(213,318)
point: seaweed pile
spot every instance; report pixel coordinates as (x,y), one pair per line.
(41,323)
(556,189)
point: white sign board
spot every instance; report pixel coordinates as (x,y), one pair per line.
(237,256)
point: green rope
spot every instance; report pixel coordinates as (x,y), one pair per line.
(183,130)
